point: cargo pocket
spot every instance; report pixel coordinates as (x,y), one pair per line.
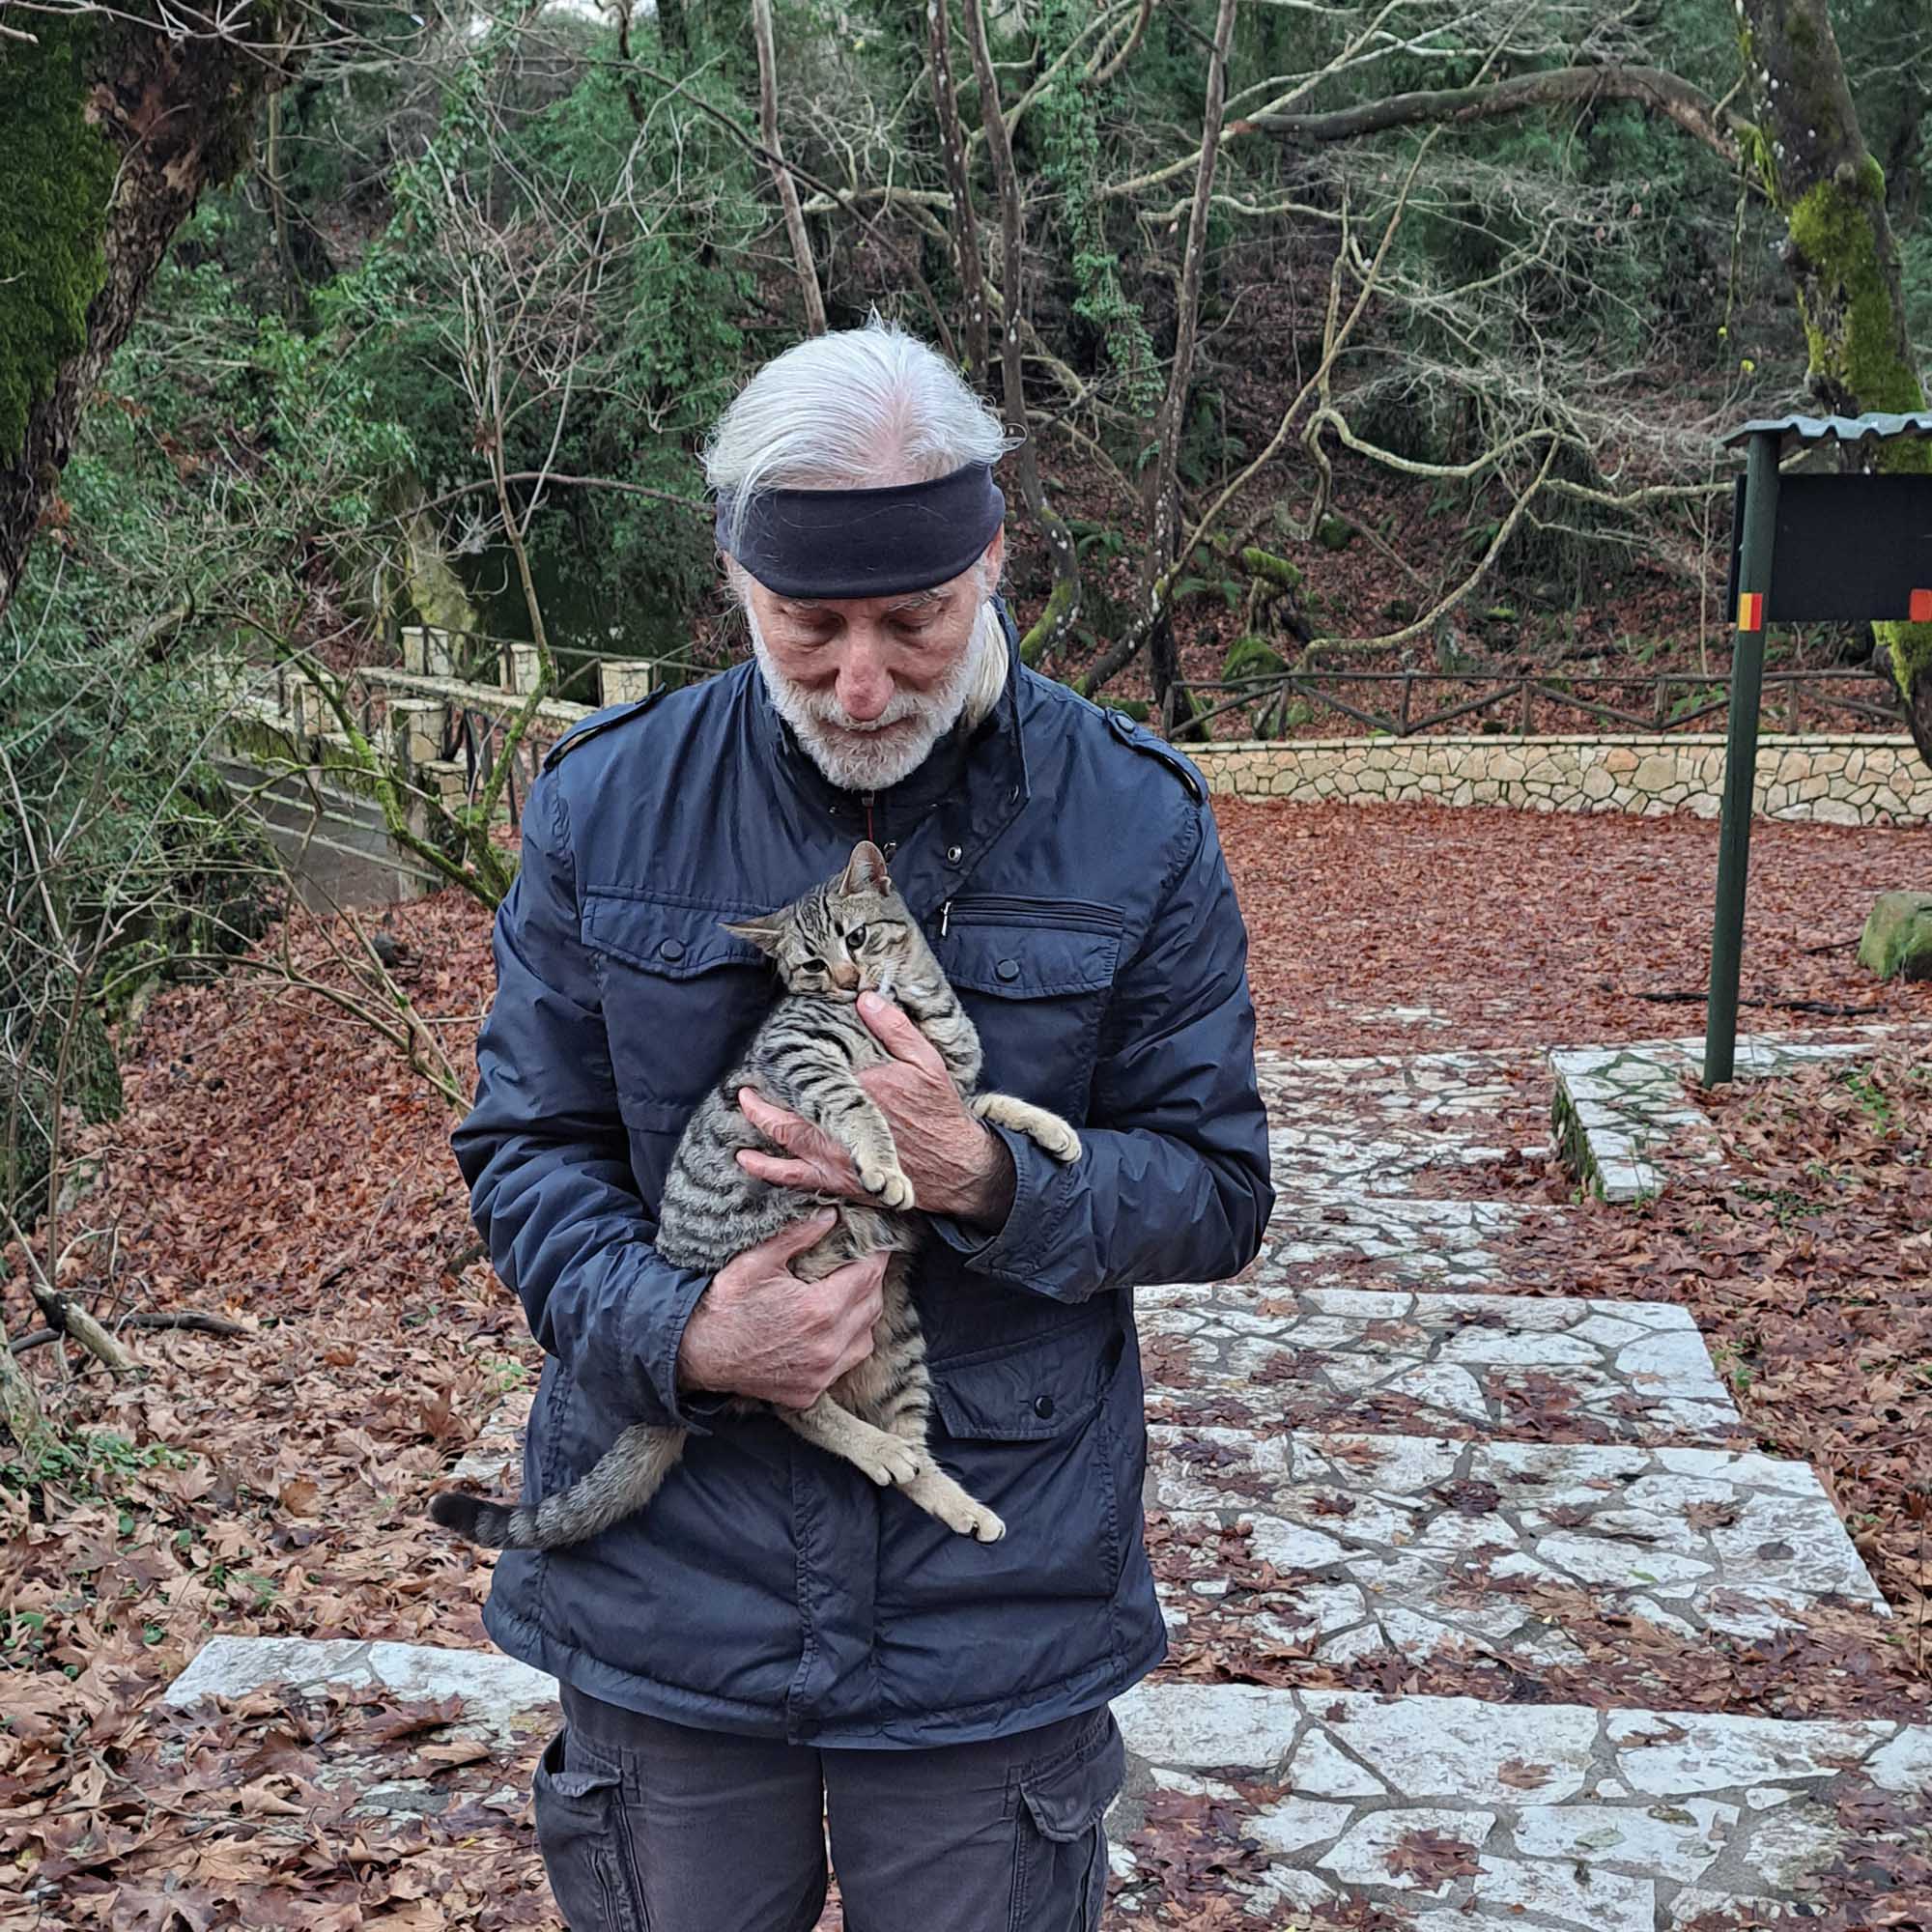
(582,1836)
(1060,1870)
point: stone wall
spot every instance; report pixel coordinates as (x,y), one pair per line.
(1842,781)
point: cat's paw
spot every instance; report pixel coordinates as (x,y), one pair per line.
(1057,1138)
(887,1186)
(982,1525)
(892,1463)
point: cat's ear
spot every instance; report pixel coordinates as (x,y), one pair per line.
(865,872)
(763,934)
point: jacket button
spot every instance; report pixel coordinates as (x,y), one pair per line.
(672,950)
(1042,1407)
(953,853)
(1007,969)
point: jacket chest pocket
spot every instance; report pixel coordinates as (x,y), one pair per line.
(682,998)
(1034,975)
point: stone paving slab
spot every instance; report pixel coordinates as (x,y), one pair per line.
(1349,1141)
(1615,1107)
(507,1708)
(1414,1545)
(498,1694)
(1434,1363)
(494,1462)
(1551,1815)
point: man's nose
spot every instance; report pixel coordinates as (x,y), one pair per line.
(865,684)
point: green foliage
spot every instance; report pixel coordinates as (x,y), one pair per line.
(1065,136)
(52,216)
(128,855)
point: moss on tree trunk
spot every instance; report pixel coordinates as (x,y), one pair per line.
(53,216)
(1843,260)
(111,124)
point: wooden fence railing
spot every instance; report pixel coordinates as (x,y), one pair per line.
(1411,701)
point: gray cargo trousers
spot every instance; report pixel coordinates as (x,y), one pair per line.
(648,1826)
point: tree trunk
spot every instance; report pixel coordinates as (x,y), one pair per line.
(1843,260)
(1062,605)
(1154,626)
(112,128)
(965,229)
(1163,493)
(768,133)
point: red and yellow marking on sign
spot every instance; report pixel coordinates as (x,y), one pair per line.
(1920,610)
(1750,610)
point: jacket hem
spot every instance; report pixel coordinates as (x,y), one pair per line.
(529,1642)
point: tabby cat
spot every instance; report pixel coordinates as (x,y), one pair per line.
(841,938)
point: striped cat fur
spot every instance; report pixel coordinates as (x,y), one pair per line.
(850,934)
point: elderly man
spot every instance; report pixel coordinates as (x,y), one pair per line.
(775,1645)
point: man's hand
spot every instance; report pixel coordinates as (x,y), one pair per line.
(956,1165)
(759,1330)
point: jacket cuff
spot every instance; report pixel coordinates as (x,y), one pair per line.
(1008,1251)
(662,1318)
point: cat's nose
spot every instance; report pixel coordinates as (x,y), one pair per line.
(845,976)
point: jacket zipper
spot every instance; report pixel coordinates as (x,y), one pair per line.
(1077,915)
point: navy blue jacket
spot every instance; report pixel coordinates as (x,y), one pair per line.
(1066,866)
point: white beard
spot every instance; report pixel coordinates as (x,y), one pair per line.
(845,749)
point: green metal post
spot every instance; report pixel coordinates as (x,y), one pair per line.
(1727,933)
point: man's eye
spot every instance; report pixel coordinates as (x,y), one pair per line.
(855,939)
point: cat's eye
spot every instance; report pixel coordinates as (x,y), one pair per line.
(812,966)
(855,939)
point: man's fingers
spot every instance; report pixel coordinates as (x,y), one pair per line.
(776,1124)
(897,1034)
(797,1238)
(781,1172)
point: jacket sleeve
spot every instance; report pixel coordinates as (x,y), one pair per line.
(1173,1182)
(546,1157)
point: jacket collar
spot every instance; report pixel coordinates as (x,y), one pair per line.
(974,781)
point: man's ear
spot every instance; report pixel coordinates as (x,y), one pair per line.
(866,872)
(992,559)
(763,934)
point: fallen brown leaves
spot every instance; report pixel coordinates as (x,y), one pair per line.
(281,1166)
(254,1815)
(1534,929)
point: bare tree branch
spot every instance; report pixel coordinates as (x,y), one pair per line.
(1665,93)
(768,129)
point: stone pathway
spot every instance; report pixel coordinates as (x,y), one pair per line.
(1476,1816)
(1350,1138)
(1437,1364)
(1365,1455)
(1616,1106)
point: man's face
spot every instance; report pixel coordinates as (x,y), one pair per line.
(870,683)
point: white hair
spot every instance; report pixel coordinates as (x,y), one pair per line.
(861,408)
(858,409)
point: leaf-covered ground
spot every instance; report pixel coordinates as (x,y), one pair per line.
(1807,1258)
(280,1165)
(1411,929)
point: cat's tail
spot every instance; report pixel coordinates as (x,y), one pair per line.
(477,1519)
(624,1479)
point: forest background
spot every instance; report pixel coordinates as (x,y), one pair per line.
(1397,335)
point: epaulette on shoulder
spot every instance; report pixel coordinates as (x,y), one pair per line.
(579,734)
(1161,750)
